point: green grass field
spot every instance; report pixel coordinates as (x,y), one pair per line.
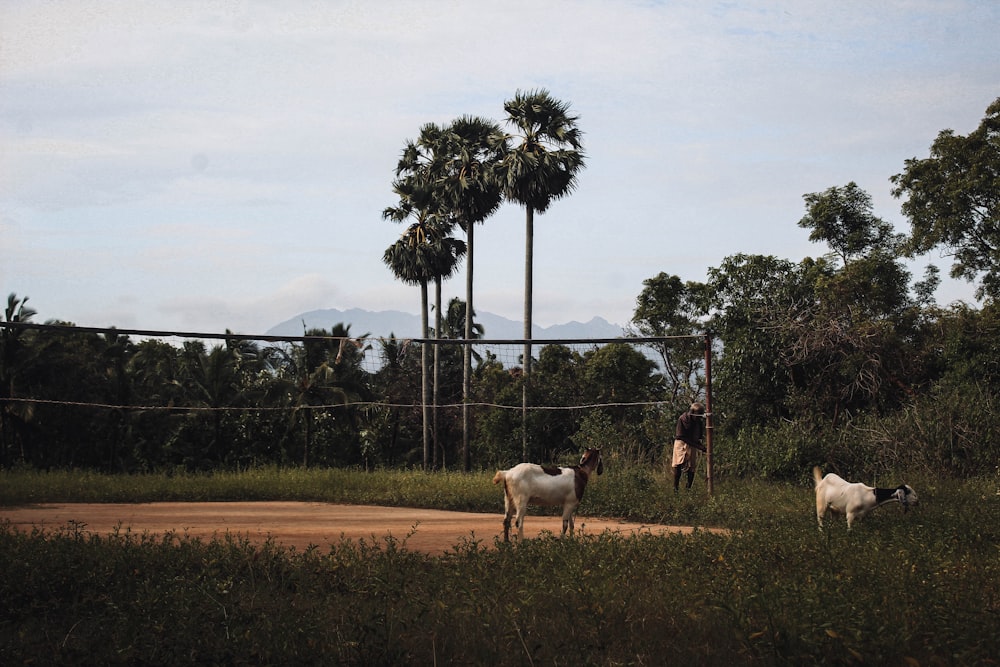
(916,589)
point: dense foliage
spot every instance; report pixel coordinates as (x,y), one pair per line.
(103,401)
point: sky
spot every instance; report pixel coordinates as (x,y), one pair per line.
(212,165)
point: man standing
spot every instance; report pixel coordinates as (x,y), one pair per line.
(687,443)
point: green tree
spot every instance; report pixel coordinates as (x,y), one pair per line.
(406,259)
(843,218)
(15,357)
(540,167)
(667,307)
(953,201)
(117,352)
(324,371)
(620,377)
(852,331)
(457,164)
(749,296)
(211,383)
(155,371)
(392,432)
(557,382)
(457,325)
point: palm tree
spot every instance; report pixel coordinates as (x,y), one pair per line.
(456,325)
(403,259)
(324,370)
(441,180)
(472,192)
(420,255)
(542,167)
(444,256)
(211,382)
(116,353)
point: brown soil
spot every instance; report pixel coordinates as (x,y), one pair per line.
(301,524)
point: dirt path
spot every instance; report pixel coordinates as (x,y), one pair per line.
(301,524)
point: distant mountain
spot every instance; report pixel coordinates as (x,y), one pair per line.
(380,324)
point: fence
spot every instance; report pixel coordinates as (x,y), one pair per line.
(329,399)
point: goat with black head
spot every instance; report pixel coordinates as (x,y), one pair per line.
(839,496)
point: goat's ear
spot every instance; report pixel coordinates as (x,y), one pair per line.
(903,500)
(600,466)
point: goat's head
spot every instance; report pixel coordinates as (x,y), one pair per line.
(907,496)
(592,459)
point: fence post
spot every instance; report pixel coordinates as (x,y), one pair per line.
(708,414)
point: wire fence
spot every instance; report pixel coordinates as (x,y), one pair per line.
(322,398)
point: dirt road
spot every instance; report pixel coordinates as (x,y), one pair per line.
(301,524)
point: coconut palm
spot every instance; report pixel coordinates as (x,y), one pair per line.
(541,166)
(304,378)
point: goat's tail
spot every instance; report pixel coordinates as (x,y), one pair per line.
(497,478)
(817,474)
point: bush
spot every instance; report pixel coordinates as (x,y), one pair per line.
(925,589)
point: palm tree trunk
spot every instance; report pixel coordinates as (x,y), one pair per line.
(467,351)
(437,368)
(529,242)
(424,379)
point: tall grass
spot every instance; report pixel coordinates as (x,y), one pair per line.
(920,588)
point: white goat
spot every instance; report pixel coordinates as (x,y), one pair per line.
(530,483)
(855,500)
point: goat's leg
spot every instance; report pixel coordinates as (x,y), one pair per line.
(508,512)
(522,509)
(567,519)
(820,510)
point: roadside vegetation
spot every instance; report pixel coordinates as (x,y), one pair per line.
(915,588)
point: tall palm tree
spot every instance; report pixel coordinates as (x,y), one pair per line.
(445,254)
(542,166)
(420,255)
(403,258)
(472,192)
(439,182)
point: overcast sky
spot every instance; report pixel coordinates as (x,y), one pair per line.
(208,165)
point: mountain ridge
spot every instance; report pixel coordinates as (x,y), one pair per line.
(384,323)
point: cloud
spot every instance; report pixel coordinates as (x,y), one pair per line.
(211,164)
(203,311)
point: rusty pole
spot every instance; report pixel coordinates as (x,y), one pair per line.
(708,413)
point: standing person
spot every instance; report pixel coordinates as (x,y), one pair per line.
(687,443)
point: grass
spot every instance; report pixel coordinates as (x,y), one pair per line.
(915,589)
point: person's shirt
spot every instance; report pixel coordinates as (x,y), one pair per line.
(690,429)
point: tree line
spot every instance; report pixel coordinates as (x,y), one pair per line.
(76,398)
(842,359)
